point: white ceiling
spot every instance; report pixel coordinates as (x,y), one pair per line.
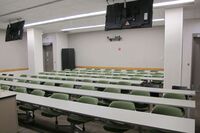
(52,9)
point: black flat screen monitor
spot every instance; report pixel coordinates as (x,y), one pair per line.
(15,31)
(136,14)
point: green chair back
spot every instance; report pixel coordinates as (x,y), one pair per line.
(49,83)
(34,82)
(38,92)
(124,83)
(70,79)
(103,82)
(87,80)
(86,87)
(123,105)
(140,93)
(4,87)
(168,110)
(43,77)
(67,85)
(23,75)
(34,76)
(21,89)
(60,96)
(113,90)
(88,100)
(58,78)
(175,96)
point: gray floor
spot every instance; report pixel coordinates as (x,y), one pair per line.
(46,125)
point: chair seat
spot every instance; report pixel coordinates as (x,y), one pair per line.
(50,113)
(78,119)
(141,107)
(28,107)
(117,127)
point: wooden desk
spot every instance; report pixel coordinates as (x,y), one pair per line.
(8,112)
(132,117)
(106,95)
(122,87)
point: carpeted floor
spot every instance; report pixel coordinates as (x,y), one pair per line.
(47,125)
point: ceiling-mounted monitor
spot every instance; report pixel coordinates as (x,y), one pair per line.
(134,14)
(15,31)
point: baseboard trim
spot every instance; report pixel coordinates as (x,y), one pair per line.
(13,69)
(121,68)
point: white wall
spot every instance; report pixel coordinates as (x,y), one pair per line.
(139,48)
(13,54)
(190,27)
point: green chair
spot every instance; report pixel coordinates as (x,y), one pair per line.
(43,77)
(141,106)
(175,96)
(30,108)
(1,78)
(124,83)
(103,82)
(76,119)
(86,87)
(166,110)
(34,82)
(57,78)
(49,112)
(49,93)
(87,80)
(4,87)
(21,80)
(33,76)
(21,89)
(67,85)
(49,83)
(23,75)
(119,127)
(70,79)
(106,102)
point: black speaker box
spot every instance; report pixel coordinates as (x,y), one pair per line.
(68,58)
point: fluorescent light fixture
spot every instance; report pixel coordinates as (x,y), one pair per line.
(101,25)
(159,20)
(66,18)
(175,2)
(84,27)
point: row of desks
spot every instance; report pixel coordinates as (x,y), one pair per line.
(107,76)
(106,95)
(185,125)
(135,82)
(122,87)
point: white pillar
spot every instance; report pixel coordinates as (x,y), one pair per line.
(61,42)
(173,47)
(35,51)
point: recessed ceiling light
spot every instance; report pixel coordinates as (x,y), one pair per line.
(98,26)
(169,3)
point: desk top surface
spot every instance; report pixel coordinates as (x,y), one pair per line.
(107,95)
(6,94)
(122,87)
(132,117)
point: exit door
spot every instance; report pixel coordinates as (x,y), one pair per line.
(195,81)
(48,57)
